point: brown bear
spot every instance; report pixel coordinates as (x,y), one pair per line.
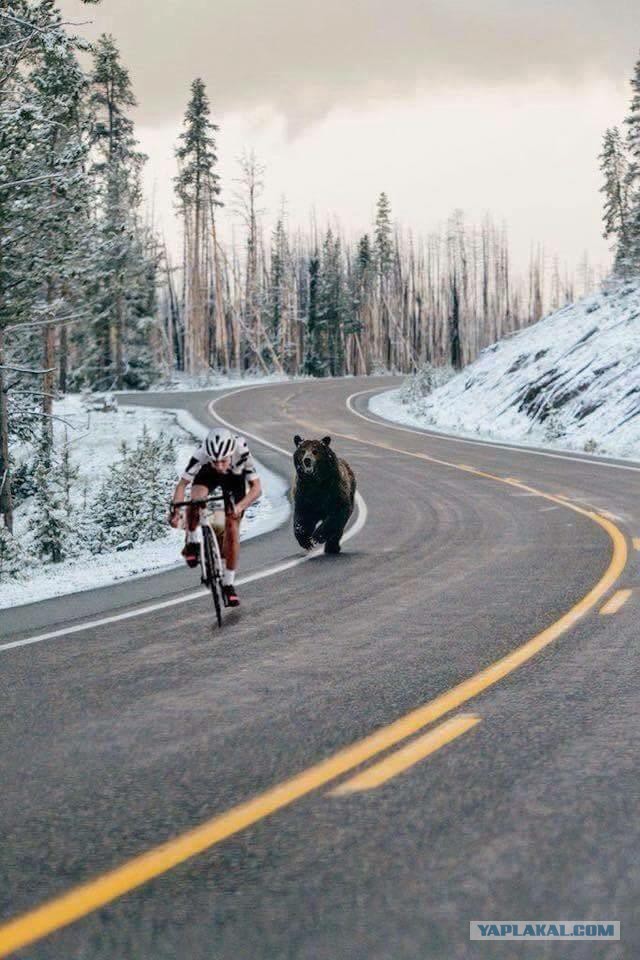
(324,489)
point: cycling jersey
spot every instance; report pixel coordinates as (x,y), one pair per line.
(242,463)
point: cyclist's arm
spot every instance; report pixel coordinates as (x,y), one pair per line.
(252,494)
(187,477)
(179,492)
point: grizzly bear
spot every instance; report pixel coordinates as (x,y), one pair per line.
(324,490)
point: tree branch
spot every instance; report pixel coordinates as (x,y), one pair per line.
(13,369)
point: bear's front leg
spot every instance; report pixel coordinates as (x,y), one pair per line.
(302,533)
(333,531)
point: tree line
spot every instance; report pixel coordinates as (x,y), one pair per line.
(320,304)
(78,264)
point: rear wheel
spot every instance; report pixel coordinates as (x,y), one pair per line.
(213,571)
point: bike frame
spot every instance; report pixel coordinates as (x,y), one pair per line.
(210,555)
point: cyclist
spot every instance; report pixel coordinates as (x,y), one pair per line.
(224,460)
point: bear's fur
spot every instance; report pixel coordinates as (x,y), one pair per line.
(324,489)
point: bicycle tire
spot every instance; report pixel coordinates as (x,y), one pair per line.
(212,579)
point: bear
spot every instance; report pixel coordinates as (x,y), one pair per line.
(323,490)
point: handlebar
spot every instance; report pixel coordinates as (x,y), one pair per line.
(201,502)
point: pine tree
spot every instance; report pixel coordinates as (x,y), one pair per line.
(143,476)
(615,169)
(314,365)
(198,190)
(9,555)
(156,459)
(116,518)
(332,303)
(125,262)
(43,206)
(49,523)
(632,253)
(383,236)
(278,287)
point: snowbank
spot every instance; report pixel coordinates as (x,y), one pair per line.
(571,381)
(210,380)
(95,440)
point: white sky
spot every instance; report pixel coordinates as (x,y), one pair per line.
(496,107)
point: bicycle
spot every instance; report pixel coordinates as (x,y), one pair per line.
(210,556)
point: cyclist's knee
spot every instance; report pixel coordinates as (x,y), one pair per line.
(232,526)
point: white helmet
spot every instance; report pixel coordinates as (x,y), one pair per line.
(220,443)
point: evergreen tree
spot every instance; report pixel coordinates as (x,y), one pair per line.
(124,264)
(383,236)
(362,282)
(332,304)
(49,523)
(156,459)
(365,255)
(278,285)
(314,364)
(615,169)
(9,555)
(43,206)
(632,255)
(198,191)
(144,476)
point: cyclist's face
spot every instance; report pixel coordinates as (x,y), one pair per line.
(222,466)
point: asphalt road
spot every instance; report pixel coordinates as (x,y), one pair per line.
(118,738)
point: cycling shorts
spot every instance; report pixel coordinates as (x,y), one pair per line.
(234,484)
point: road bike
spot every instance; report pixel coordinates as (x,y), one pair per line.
(210,556)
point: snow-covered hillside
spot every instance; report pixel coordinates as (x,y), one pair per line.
(570,381)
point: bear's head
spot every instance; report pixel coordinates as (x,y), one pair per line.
(313,457)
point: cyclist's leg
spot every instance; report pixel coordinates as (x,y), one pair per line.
(234,490)
(198,492)
(191,551)
(231,545)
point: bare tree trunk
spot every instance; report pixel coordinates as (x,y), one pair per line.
(48,380)
(222,342)
(119,335)
(63,368)
(6,500)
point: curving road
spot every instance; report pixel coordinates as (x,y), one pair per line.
(437,726)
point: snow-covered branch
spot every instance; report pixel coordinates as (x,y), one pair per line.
(46,176)
(54,321)
(7,366)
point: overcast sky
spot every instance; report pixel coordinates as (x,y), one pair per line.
(498,106)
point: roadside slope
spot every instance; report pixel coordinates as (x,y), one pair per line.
(570,381)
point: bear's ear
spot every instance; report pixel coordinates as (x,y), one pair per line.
(326,441)
(297,440)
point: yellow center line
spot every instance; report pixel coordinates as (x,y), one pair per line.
(408,756)
(84,899)
(618,600)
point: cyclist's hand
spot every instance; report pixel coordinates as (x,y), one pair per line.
(174,517)
(237,511)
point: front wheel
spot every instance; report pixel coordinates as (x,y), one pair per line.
(213,571)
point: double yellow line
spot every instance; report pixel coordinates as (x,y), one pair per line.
(90,896)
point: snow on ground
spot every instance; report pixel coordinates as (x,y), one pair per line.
(95,438)
(571,381)
(210,380)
